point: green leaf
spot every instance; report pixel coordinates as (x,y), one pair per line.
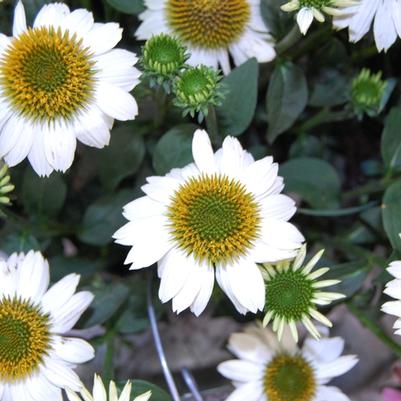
(287,96)
(103,218)
(391,140)
(174,148)
(122,157)
(391,213)
(60,266)
(108,299)
(19,243)
(352,276)
(314,180)
(238,107)
(127,6)
(43,196)
(140,386)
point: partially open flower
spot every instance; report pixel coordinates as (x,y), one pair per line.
(293,292)
(5,185)
(307,10)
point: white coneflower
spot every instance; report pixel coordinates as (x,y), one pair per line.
(307,10)
(99,393)
(36,360)
(60,81)
(211,29)
(223,212)
(384,14)
(271,371)
(293,292)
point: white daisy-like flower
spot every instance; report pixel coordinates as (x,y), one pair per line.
(271,371)
(393,289)
(211,29)
(60,81)
(223,212)
(293,291)
(99,393)
(36,360)
(384,14)
(314,9)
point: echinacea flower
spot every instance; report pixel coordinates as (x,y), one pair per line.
(99,393)
(393,289)
(307,10)
(293,292)
(211,29)
(36,359)
(267,370)
(384,14)
(60,81)
(225,213)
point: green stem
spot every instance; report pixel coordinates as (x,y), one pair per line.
(289,40)
(212,126)
(161,104)
(108,369)
(325,116)
(374,328)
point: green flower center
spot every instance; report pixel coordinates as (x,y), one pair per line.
(47,74)
(24,338)
(289,294)
(289,378)
(163,54)
(319,4)
(214,218)
(209,24)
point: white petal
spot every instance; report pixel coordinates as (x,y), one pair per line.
(51,15)
(203,153)
(60,143)
(116,102)
(278,207)
(324,349)
(330,394)
(360,23)
(143,207)
(99,391)
(33,277)
(337,367)
(242,371)
(395,269)
(232,158)
(103,37)
(19,25)
(69,313)
(304,19)
(249,347)
(61,375)
(383,27)
(79,21)
(250,391)
(37,155)
(202,299)
(281,234)
(41,389)
(73,350)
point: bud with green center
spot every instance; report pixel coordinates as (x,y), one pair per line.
(367,92)
(197,88)
(293,292)
(5,185)
(163,56)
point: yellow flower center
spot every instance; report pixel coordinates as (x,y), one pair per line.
(289,378)
(47,74)
(209,24)
(214,218)
(24,338)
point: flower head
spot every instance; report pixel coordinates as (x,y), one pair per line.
(211,29)
(383,14)
(223,212)
(36,360)
(393,290)
(163,56)
(5,185)
(310,9)
(99,393)
(293,293)
(60,81)
(197,88)
(367,92)
(273,371)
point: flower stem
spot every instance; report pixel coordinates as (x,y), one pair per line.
(325,116)
(289,40)
(108,369)
(161,104)
(212,126)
